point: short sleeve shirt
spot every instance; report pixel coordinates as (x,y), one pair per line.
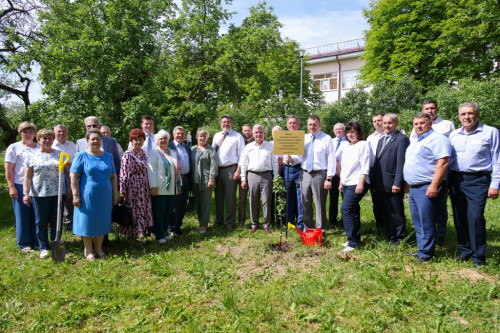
(18,153)
(45,182)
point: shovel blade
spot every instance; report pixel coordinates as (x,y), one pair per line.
(58,250)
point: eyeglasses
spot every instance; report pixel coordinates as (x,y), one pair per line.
(45,138)
(92,126)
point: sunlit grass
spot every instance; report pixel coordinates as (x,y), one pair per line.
(230,281)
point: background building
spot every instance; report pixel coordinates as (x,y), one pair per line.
(335,67)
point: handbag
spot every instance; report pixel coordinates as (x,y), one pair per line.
(122,214)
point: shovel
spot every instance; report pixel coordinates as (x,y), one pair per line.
(58,249)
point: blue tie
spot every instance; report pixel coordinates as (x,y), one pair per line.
(338,144)
(310,155)
(150,144)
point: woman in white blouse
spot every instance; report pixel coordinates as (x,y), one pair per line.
(164,184)
(354,163)
(15,157)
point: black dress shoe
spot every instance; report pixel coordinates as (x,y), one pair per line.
(462,257)
(420,260)
(413,254)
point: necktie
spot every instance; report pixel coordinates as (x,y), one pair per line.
(338,144)
(220,141)
(310,155)
(150,144)
(384,139)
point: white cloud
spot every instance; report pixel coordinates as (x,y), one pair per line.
(325,28)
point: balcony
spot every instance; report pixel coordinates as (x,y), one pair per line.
(334,49)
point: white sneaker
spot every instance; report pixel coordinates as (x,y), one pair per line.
(44,254)
(345,244)
(162,241)
(26,249)
(348,249)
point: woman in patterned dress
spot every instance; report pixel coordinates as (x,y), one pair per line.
(134,186)
(41,181)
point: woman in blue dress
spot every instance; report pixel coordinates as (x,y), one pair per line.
(94,185)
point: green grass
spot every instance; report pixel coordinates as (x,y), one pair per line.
(230,281)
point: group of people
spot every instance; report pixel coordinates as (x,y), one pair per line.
(154,177)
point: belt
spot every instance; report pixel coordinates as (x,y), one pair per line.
(476,173)
(293,166)
(314,171)
(227,166)
(259,172)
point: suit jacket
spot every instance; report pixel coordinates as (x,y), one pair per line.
(157,176)
(173,147)
(109,145)
(387,169)
(207,165)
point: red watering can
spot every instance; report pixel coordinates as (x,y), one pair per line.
(312,237)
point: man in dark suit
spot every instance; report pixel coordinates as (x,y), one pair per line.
(109,145)
(184,156)
(387,180)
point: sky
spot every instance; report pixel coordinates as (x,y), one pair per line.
(313,22)
(309,22)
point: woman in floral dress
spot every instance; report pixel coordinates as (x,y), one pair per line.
(134,186)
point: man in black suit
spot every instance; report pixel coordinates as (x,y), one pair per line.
(387,181)
(184,157)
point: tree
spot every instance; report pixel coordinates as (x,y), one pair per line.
(434,42)
(18,30)
(98,58)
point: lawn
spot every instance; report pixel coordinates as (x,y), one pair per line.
(230,281)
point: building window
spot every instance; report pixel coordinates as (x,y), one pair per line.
(349,78)
(325,82)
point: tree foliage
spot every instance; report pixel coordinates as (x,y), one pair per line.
(97,56)
(433,41)
(120,60)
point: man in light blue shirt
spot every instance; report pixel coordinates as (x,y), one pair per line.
(426,163)
(474,177)
(184,156)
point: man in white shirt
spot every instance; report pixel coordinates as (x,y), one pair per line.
(444,127)
(246,131)
(373,138)
(318,168)
(148,126)
(258,167)
(61,143)
(229,146)
(339,142)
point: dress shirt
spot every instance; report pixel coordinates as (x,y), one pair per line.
(231,149)
(422,155)
(477,151)
(183,157)
(355,161)
(324,153)
(439,125)
(372,139)
(67,147)
(258,159)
